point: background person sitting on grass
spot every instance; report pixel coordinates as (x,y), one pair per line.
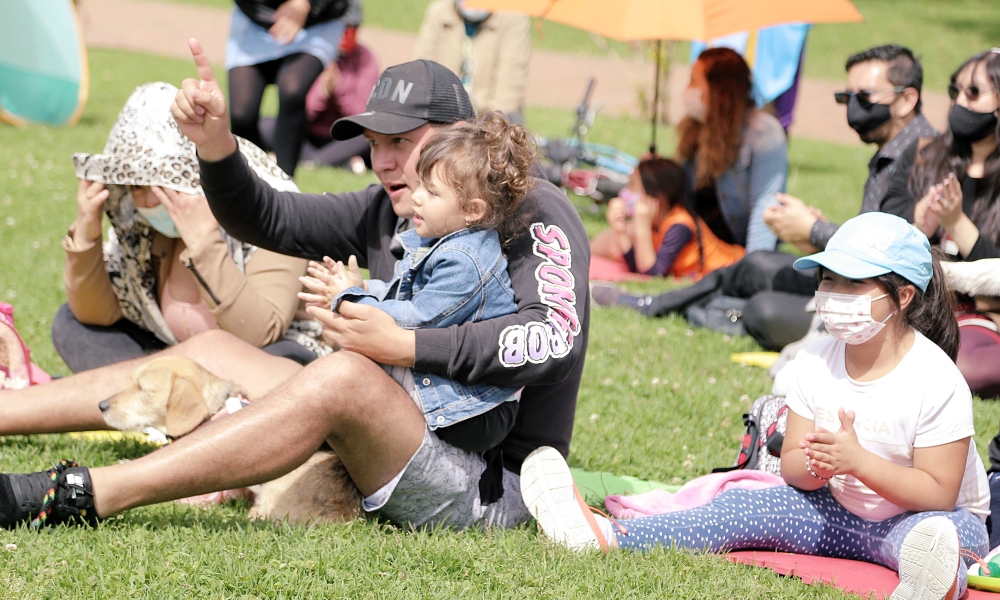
(655,230)
(167,271)
(877,454)
(957,178)
(736,155)
(345,399)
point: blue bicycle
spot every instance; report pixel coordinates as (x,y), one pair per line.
(587,169)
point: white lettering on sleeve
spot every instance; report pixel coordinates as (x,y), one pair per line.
(536,342)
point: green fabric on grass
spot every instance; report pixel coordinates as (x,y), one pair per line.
(595,486)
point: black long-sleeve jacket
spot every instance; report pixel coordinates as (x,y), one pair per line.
(541,347)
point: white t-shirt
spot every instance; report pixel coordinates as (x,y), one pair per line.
(923,402)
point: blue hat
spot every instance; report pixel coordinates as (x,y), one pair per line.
(875,244)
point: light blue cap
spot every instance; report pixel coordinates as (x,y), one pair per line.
(875,244)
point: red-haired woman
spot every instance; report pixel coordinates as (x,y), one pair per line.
(736,155)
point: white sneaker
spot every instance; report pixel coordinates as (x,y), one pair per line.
(550,495)
(929,561)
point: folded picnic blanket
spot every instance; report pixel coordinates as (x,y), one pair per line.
(697,492)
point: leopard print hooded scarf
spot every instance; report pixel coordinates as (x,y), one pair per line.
(146,148)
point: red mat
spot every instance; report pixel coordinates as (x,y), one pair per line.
(604,269)
(864,579)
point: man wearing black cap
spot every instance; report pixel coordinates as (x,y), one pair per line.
(411,474)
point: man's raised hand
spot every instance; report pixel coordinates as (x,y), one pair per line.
(200,110)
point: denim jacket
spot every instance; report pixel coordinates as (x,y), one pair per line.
(438,283)
(749,185)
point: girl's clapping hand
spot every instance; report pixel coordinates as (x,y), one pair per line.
(835,453)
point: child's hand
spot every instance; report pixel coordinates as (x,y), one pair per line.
(341,281)
(835,453)
(319,282)
(352,272)
(616,215)
(329,279)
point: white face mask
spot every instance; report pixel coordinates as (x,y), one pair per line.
(693,104)
(849,317)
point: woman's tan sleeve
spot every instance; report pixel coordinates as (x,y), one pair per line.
(258,305)
(88,287)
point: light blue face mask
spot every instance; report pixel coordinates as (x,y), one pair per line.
(473,15)
(159,219)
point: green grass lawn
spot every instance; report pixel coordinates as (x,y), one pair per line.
(659,400)
(942,34)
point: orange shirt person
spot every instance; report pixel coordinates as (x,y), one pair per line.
(655,231)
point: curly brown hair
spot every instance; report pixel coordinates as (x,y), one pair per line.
(715,143)
(490,159)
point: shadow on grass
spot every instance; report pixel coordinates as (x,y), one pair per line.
(983,28)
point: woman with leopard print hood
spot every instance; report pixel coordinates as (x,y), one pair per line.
(166,271)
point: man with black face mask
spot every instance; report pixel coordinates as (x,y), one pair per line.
(883,106)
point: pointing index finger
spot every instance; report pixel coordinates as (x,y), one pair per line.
(204,68)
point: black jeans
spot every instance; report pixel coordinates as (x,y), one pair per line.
(84,347)
(776,293)
(322,152)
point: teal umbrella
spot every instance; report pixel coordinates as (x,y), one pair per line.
(43,62)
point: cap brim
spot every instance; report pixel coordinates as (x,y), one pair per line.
(379,122)
(842,264)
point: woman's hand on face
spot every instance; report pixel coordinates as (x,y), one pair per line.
(616,215)
(289,18)
(190,214)
(947,203)
(835,453)
(90,197)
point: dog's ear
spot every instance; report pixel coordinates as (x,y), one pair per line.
(186,407)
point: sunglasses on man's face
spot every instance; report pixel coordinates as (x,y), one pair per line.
(972,92)
(864,96)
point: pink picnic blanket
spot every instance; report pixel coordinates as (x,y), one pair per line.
(604,269)
(697,492)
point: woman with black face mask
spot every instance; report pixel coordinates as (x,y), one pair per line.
(957,178)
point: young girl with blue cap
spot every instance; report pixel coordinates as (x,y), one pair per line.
(878,454)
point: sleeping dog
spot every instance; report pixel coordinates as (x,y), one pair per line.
(175,395)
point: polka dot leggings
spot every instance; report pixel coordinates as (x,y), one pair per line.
(789,520)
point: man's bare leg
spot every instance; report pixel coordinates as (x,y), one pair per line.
(70,403)
(344,398)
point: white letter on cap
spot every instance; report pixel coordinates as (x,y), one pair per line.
(401,92)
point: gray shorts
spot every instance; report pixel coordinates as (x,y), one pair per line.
(440,485)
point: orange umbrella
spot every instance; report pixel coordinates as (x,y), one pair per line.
(632,20)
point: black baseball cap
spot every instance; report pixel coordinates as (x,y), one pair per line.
(408,96)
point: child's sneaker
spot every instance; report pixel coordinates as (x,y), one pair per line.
(929,562)
(63,494)
(550,495)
